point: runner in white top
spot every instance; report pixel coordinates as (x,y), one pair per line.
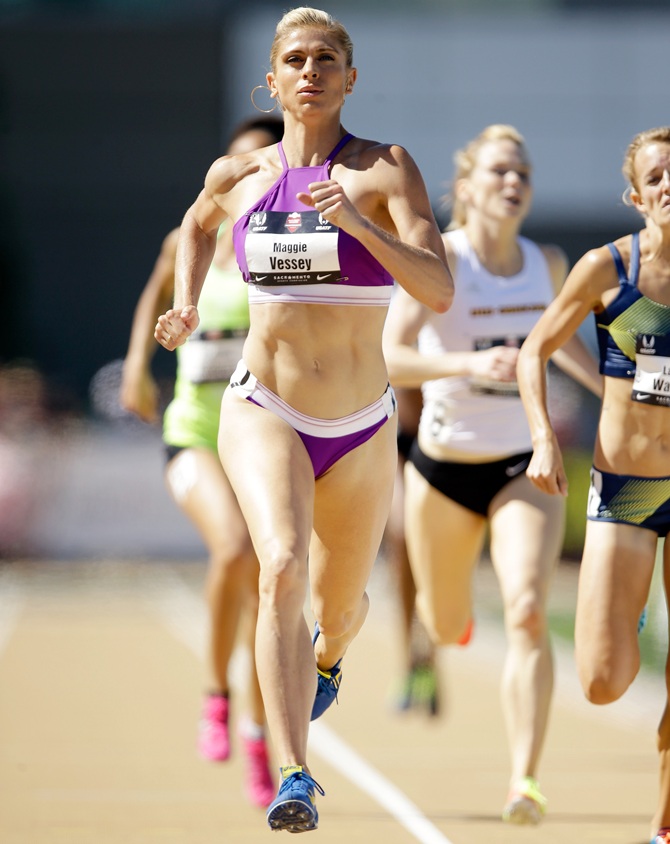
(466,472)
(464,412)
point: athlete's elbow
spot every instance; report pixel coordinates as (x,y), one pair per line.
(445,297)
(442,305)
(531,353)
(443,301)
(435,293)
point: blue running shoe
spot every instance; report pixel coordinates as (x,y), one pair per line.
(294,807)
(327,684)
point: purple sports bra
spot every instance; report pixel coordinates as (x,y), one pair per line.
(288,252)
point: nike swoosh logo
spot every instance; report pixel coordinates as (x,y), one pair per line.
(321,277)
(517,469)
(260,278)
(641,396)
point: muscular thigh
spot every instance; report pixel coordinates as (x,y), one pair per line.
(272,476)
(200,487)
(352,503)
(615,575)
(444,540)
(527,529)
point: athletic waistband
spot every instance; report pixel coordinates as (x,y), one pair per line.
(247,385)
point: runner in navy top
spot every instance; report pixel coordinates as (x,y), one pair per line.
(308,432)
(627,286)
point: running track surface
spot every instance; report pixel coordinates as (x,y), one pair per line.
(100,682)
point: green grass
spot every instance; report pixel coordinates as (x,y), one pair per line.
(577,468)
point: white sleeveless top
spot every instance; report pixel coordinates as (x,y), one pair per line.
(476,416)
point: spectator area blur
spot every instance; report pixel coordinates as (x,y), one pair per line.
(89,485)
(75,485)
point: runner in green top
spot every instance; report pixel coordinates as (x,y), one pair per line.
(194,475)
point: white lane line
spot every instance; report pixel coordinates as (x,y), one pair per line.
(330,747)
(185,616)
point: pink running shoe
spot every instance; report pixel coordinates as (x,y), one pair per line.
(259,784)
(213,738)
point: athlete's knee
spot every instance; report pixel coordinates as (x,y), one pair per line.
(526,614)
(334,624)
(602,690)
(603,685)
(282,578)
(336,620)
(443,628)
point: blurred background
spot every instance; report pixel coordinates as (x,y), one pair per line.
(111,112)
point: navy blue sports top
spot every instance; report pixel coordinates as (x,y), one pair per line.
(630,315)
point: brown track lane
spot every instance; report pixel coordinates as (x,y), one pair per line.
(99,702)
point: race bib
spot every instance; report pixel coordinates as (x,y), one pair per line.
(489,386)
(211,355)
(297,247)
(651,384)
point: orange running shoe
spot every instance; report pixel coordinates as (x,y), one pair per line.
(466,635)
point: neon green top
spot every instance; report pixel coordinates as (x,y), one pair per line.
(206,361)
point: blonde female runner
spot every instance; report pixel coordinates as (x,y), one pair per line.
(324,222)
(466,469)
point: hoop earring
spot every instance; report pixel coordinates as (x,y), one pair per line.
(253,102)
